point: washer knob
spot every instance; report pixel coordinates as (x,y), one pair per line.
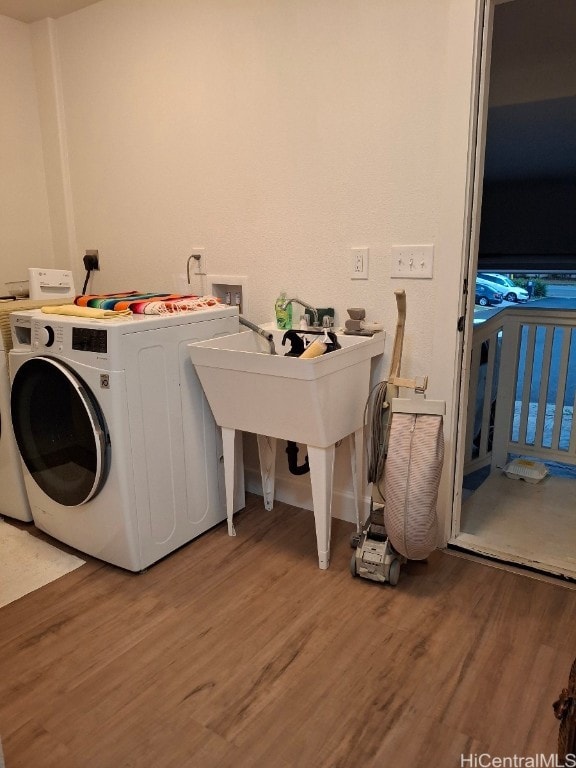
(46,336)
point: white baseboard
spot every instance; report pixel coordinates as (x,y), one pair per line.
(297,492)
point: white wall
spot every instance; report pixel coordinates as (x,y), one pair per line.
(54,144)
(25,235)
(277,136)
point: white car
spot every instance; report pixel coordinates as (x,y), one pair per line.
(510,291)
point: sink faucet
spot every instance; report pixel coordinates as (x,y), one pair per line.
(260,331)
(306,306)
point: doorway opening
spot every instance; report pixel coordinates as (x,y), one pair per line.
(522,367)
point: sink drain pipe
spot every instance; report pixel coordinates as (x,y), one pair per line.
(292,452)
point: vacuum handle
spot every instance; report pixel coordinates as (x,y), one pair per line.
(399,335)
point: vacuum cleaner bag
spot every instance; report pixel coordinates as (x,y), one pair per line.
(411,479)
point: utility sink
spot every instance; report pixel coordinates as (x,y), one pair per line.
(315,402)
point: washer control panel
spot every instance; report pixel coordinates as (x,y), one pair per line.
(90,340)
(45,336)
(60,337)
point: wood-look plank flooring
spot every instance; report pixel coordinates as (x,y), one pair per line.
(241,652)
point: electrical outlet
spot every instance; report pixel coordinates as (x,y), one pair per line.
(359,264)
(412,261)
(91,261)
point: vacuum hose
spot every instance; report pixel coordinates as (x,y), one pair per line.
(377,416)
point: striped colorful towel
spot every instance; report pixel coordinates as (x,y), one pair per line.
(148,303)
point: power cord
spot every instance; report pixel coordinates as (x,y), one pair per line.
(90,264)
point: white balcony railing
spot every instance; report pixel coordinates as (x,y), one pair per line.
(522,382)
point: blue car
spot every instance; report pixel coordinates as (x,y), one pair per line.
(486,295)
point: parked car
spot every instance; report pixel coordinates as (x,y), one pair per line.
(510,291)
(486,294)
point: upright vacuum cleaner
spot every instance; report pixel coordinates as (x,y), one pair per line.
(405,448)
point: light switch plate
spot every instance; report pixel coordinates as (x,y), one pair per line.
(412,261)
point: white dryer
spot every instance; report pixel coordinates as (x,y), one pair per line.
(122,458)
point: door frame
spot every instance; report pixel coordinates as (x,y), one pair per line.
(477,145)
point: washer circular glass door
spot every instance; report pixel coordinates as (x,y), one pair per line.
(60,431)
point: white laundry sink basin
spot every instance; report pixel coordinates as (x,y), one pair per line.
(314,401)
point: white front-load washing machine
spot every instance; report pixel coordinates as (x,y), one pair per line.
(121,456)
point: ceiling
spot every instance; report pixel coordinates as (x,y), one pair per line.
(34,10)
